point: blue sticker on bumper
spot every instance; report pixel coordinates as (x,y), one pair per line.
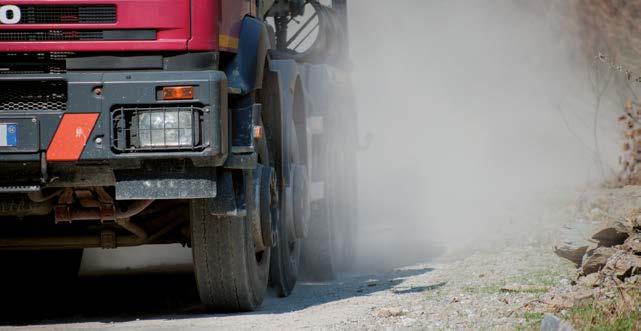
(8,135)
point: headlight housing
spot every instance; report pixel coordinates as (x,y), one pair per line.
(171,128)
(153,129)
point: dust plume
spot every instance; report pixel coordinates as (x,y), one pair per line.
(482,116)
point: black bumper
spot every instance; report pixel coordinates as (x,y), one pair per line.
(104,152)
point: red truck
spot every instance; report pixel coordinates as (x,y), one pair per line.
(224,125)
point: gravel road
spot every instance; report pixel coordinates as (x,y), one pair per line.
(491,285)
(480,291)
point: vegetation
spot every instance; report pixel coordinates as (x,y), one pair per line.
(621,313)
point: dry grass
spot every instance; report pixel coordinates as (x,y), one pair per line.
(621,313)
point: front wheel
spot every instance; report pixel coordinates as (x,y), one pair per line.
(230,273)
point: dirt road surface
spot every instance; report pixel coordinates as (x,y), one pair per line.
(472,292)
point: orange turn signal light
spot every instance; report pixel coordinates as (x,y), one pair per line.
(178,93)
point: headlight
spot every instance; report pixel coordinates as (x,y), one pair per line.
(165,129)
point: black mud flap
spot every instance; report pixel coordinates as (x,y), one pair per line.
(197,183)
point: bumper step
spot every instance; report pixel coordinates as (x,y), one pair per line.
(20,189)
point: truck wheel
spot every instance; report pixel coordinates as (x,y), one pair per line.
(319,249)
(330,246)
(286,258)
(287,251)
(230,274)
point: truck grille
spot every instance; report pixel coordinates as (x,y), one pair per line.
(33,63)
(76,35)
(33,96)
(69,14)
(50,35)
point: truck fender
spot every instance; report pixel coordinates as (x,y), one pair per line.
(245,71)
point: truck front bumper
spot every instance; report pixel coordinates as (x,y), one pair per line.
(94,126)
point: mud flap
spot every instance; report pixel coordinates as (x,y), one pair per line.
(197,183)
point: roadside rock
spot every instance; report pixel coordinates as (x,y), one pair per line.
(633,244)
(592,280)
(553,323)
(613,232)
(635,219)
(571,251)
(596,258)
(623,265)
(573,244)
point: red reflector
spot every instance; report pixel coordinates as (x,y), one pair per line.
(71,137)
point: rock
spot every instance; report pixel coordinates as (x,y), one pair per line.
(390,312)
(633,244)
(623,265)
(596,258)
(571,251)
(573,244)
(553,323)
(591,280)
(635,219)
(613,232)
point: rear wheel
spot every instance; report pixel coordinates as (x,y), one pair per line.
(230,273)
(330,246)
(287,251)
(286,258)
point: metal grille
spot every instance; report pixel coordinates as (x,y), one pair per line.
(50,35)
(129,135)
(33,96)
(33,63)
(52,14)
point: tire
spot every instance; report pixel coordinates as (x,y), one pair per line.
(318,248)
(230,275)
(286,255)
(330,246)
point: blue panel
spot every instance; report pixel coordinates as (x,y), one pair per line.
(12,135)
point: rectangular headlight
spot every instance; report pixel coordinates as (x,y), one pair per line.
(165,129)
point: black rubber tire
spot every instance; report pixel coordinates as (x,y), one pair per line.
(330,246)
(285,258)
(318,248)
(229,274)
(342,206)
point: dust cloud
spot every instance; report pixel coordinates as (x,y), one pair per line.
(482,115)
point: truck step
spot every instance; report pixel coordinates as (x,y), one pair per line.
(19,189)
